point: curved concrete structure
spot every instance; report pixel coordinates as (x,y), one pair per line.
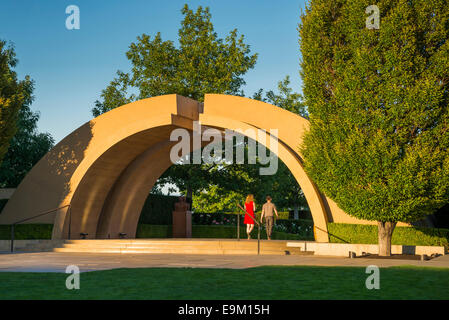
(106,168)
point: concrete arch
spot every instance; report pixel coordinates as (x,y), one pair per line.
(106,168)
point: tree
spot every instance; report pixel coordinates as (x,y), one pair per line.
(217,199)
(378,142)
(285,99)
(202,63)
(27,147)
(13,94)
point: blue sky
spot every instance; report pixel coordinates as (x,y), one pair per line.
(71,67)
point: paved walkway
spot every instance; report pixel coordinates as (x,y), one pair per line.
(57,262)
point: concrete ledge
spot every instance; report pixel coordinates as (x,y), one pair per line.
(30,245)
(6,193)
(343,249)
(320,249)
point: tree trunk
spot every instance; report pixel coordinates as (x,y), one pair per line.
(385,231)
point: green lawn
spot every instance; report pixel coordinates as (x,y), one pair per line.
(274,282)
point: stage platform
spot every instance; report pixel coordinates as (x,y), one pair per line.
(182,246)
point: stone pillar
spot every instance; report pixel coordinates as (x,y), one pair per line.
(182,219)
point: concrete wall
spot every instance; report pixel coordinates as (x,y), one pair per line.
(30,245)
(6,193)
(343,249)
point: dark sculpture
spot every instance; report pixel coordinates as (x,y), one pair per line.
(182,219)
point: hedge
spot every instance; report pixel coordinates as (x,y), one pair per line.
(203,218)
(26,231)
(303,228)
(43,231)
(284,229)
(202,231)
(284,215)
(367,234)
(158,209)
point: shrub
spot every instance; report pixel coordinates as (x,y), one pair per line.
(303,228)
(153,231)
(367,234)
(26,231)
(226,218)
(280,232)
(158,209)
(215,219)
(209,231)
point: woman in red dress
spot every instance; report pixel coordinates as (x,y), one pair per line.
(250,207)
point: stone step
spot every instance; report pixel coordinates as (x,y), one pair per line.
(177,241)
(180,246)
(117,243)
(193,251)
(175,245)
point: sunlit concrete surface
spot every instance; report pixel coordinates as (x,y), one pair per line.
(57,262)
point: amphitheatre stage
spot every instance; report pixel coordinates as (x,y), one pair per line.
(101,174)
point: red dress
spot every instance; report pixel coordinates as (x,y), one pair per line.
(249,207)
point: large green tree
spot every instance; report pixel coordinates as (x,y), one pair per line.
(201,63)
(285,98)
(14,93)
(378,102)
(26,148)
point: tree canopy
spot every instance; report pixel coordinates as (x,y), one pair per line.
(286,98)
(201,63)
(27,147)
(14,94)
(378,104)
